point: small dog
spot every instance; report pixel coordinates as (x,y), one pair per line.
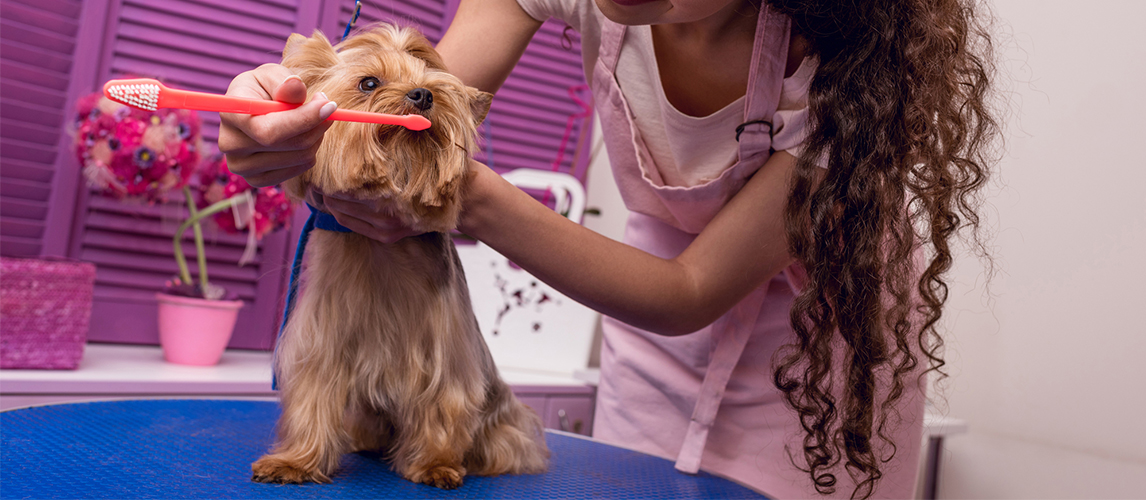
(382,350)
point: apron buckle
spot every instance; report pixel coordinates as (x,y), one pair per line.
(740,128)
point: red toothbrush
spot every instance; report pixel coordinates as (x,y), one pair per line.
(149,95)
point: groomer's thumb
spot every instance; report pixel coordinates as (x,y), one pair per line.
(294,91)
(307,117)
(291,90)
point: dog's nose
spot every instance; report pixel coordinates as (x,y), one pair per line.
(421,98)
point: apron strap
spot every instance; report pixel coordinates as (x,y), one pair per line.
(731,332)
(765,81)
(612,36)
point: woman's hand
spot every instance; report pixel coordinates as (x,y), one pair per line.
(370,218)
(376,220)
(268,149)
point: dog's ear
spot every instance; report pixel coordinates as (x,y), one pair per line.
(416,44)
(314,53)
(479,104)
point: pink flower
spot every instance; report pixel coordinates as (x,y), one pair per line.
(272,210)
(126,152)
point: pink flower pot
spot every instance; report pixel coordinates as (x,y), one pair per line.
(195,331)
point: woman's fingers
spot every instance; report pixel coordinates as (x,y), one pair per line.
(275,131)
(291,130)
(368,221)
(277,176)
(261,82)
(272,167)
(236,142)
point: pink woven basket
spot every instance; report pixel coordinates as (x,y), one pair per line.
(45,308)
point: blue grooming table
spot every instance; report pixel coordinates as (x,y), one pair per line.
(184,448)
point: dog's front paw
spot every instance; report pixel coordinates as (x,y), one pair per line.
(275,469)
(440,476)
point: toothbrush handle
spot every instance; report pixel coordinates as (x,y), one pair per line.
(185,99)
(412,122)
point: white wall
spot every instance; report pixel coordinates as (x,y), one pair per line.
(1049,369)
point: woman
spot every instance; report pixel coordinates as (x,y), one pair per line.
(788,164)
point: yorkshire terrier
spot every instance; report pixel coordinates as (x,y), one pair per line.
(382,351)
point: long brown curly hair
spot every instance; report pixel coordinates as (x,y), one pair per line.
(901,110)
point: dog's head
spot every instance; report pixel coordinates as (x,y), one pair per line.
(386,69)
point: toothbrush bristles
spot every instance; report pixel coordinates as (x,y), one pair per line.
(139,95)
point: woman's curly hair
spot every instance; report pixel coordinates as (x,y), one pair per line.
(901,110)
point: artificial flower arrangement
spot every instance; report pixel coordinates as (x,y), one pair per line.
(143,156)
(260,211)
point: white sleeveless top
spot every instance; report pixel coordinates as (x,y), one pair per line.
(687,150)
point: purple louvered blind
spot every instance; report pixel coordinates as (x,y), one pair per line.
(196,45)
(536,120)
(199,44)
(37,46)
(426,15)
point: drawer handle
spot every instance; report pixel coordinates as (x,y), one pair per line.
(563,423)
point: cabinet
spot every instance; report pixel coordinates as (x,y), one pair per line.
(563,407)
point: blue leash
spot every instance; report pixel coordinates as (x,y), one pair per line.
(353,19)
(320,220)
(317,219)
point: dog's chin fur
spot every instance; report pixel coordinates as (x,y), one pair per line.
(382,350)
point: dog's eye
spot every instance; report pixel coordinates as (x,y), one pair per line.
(369,84)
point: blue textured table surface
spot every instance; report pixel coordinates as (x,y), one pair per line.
(204,449)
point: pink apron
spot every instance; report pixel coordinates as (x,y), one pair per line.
(649,382)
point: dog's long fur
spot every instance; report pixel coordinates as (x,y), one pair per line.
(382,351)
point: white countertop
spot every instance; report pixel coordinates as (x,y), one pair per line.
(133,369)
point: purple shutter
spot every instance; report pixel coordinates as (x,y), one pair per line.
(530,116)
(37,51)
(427,15)
(195,45)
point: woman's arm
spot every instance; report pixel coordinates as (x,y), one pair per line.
(744,245)
(485,41)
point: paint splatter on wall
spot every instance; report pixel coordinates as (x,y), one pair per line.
(520,298)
